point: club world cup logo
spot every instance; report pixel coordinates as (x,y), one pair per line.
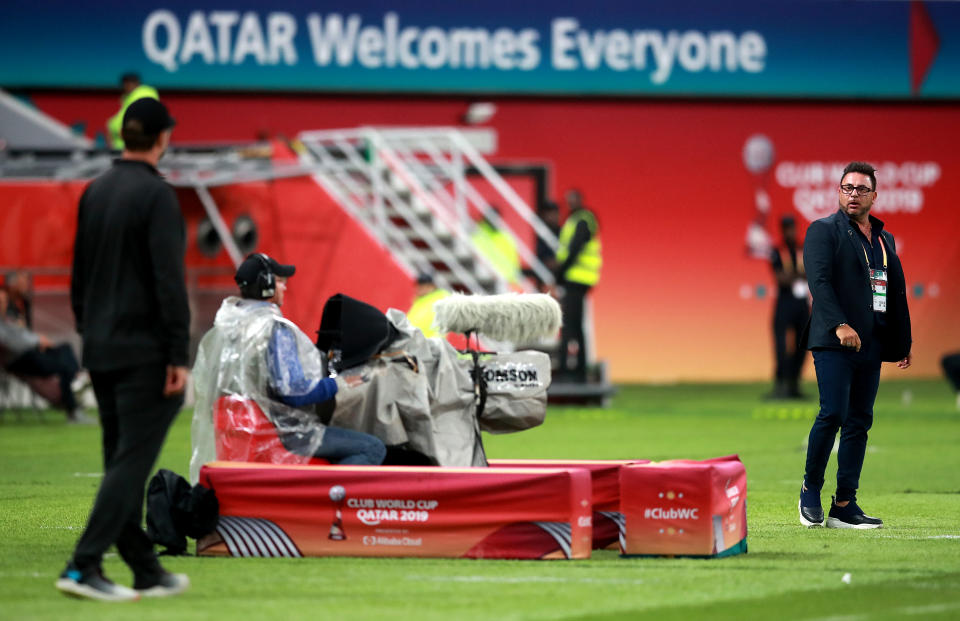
(337,494)
(758,159)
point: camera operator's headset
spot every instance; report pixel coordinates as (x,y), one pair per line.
(265,285)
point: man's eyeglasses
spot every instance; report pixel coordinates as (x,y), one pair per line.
(859,189)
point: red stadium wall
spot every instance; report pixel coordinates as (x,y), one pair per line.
(678,299)
(298,223)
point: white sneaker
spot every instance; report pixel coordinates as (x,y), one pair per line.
(164,586)
(79,417)
(80,382)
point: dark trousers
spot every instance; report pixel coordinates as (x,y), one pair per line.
(59,361)
(789,318)
(348,447)
(135,417)
(848,383)
(951,368)
(572,330)
(338,445)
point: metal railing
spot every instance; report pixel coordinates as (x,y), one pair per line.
(404,183)
(412,189)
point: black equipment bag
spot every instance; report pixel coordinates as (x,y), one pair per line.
(176,511)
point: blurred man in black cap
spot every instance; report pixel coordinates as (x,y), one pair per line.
(130,302)
(791,312)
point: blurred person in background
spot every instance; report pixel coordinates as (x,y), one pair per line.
(498,247)
(20,305)
(28,354)
(549,214)
(791,312)
(578,269)
(859,319)
(421,313)
(129,297)
(951,368)
(131,90)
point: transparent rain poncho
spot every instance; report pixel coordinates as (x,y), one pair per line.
(417,393)
(238,415)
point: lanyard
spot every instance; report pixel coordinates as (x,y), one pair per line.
(882,247)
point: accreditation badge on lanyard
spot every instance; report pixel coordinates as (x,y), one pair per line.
(878,280)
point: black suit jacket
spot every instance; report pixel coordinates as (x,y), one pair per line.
(839,279)
(128,288)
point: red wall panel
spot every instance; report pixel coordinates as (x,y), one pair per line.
(678,296)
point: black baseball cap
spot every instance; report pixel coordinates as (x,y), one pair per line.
(152,116)
(258,263)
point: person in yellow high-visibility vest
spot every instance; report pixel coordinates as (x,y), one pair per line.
(421,313)
(132,91)
(579,261)
(498,247)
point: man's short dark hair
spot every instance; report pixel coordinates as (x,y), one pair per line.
(135,139)
(864,169)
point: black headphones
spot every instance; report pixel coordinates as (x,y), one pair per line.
(265,285)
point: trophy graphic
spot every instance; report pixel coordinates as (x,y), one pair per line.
(758,157)
(337,494)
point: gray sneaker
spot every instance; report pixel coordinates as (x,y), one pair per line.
(164,585)
(79,417)
(93,585)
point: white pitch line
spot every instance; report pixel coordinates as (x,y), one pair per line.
(60,527)
(929,608)
(904,610)
(88,474)
(857,617)
(525,580)
(918,537)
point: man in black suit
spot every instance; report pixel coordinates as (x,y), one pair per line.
(859,319)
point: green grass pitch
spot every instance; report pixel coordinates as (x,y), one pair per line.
(909,569)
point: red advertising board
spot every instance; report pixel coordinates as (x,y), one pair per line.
(684,508)
(605,480)
(293,511)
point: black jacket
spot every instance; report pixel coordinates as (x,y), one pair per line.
(128,291)
(839,280)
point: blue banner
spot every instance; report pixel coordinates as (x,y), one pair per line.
(832,49)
